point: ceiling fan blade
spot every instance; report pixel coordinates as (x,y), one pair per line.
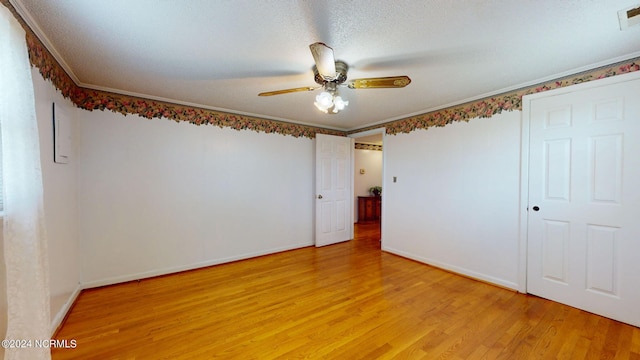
(380,82)
(287,91)
(325,62)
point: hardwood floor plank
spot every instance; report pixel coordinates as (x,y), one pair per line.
(344,301)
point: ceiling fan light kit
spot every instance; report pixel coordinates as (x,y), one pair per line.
(330,73)
(328,101)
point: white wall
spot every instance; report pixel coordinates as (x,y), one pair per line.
(156,196)
(456,201)
(60,201)
(371,161)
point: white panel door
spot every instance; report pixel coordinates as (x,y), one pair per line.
(333,189)
(584,199)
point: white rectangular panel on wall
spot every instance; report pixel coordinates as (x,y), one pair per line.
(555,250)
(61,135)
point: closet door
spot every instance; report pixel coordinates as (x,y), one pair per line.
(584,198)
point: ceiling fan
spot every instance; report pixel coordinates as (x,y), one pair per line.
(330,74)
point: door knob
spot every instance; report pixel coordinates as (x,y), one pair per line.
(536,208)
(319,196)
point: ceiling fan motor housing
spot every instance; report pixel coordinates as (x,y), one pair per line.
(341,74)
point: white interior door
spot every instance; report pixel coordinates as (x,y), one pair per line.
(584,198)
(334,214)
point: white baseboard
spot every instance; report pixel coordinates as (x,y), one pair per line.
(58,318)
(455,269)
(171,270)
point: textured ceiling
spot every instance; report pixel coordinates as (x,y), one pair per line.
(220,54)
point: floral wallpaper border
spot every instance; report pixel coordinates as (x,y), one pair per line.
(89,99)
(362,146)
(487,107)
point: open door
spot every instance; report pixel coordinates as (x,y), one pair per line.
(334,206)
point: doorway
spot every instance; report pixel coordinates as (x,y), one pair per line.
(368,167)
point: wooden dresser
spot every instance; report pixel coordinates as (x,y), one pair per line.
(369,208)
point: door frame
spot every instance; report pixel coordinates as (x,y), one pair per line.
(381,131)
(524,160)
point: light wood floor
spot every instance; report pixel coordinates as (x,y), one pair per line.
(345,301)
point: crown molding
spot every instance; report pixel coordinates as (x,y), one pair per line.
(28,19)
